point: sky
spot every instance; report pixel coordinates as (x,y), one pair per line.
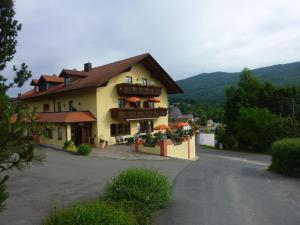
(186,37)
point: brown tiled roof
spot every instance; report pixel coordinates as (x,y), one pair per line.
(34,81)
(31,93)
(53,78)
(73,72)
(98,76)
(61,117)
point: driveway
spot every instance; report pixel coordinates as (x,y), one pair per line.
(231,188)
(65,178)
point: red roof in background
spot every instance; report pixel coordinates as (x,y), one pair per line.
(98,76)
(61,117)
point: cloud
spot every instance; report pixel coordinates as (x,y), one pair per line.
(186,37)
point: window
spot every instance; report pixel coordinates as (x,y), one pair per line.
(144,81)
(46,107)
(151,105)
(135,104)
(146,126)
(49,133)
(121,103)
(148,104)
(58,107)
(119,129)
(71,106)
(128,80)
(67,81)
(59,134)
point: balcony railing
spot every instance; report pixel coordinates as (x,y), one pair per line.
(137,113)
(138,90)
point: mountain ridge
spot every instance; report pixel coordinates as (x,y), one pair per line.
(210,87)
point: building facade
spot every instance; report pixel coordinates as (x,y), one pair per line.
(98,104)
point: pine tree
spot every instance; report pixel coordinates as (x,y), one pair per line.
(16,146)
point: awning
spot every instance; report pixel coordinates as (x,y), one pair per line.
(154,99)
(133,99)
(62,117)
(182,124)
(162,127)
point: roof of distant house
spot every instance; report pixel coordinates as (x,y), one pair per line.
(99,76)
(175,112)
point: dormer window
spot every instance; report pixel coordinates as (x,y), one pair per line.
(36,88)
(128,80)
(67,81)
(144,81)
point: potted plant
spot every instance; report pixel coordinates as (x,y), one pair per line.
(102,143)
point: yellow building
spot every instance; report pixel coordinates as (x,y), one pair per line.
(102,103)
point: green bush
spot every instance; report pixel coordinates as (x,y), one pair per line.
(143,187)
(70,147)
(286,156)
(94,213)
(84,149)
(66,144)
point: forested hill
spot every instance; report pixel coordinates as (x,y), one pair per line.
(210,87)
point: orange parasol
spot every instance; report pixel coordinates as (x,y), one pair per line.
(154,99)
(162,127)
(133,99)
(182,124)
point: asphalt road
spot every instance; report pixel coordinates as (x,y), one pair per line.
(229,188)
(65,178)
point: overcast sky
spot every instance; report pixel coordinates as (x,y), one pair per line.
(186,37)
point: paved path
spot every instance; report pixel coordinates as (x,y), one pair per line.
(65,178)
(228,188)
(124,152)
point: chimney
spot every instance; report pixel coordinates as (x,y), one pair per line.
(87,67)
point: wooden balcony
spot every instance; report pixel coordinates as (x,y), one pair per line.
(124,114)
(138,90)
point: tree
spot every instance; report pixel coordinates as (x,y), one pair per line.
(202,118)
(258,128)
(252,95)
(16,147)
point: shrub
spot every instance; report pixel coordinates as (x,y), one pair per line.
(142,214)
(143,187)
(94,213)
(66,144)
(175,138)
(71,147)
(84,149)
(286,156)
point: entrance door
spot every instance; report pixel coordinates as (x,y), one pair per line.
(78,136)
(85,135)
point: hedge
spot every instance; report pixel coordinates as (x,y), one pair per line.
(286,157)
